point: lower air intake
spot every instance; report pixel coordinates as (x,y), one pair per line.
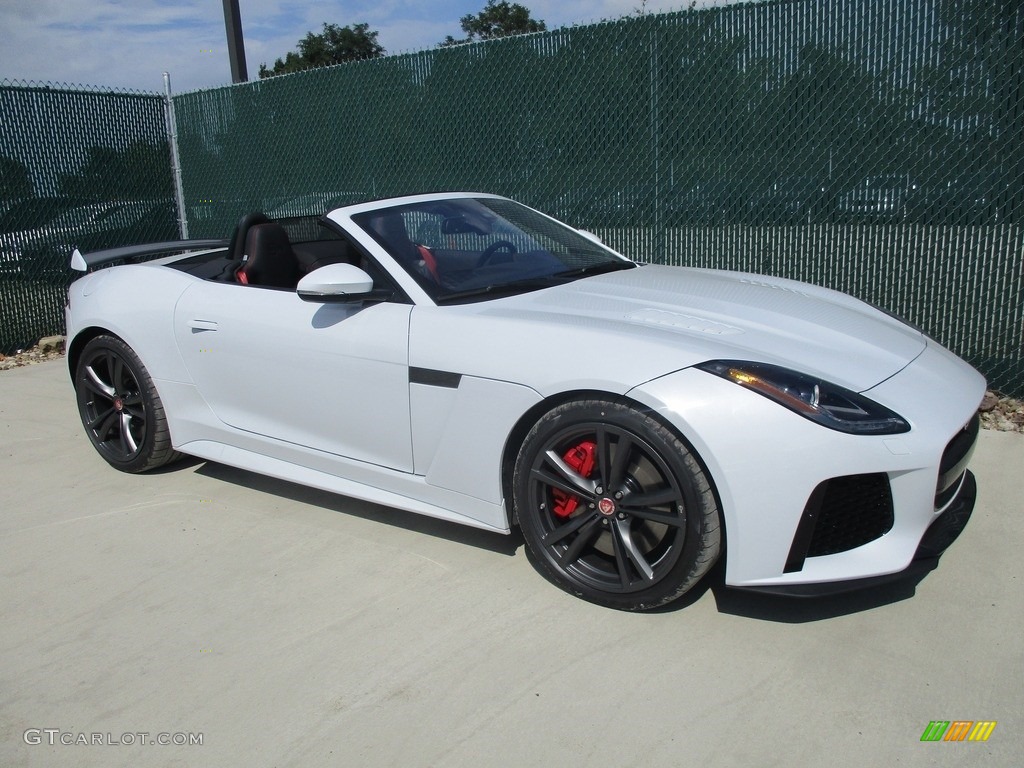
(842,514)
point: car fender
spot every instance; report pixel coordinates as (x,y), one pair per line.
(135,303)
(459,433)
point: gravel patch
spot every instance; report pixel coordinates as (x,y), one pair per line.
(50,348)
(1001,413)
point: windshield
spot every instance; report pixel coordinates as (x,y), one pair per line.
(465,249)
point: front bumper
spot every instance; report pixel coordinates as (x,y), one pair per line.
(940,534)
(844,513)
(767,463)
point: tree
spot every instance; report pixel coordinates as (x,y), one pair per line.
(333,46)
(141,170)
(15,182)
(502,19)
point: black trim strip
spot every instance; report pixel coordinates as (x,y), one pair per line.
(945,529)
(432,378)
(957,456)
(805,530)
(98,258)
(912,574)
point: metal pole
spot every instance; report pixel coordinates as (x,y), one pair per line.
(661,196)
(236,47)
(172,138)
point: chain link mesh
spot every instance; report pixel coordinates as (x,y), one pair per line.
(875,148)
(78,168)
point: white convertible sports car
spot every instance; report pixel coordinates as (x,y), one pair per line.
(466,357)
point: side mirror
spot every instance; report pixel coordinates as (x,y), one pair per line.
(591,236)
(336,282)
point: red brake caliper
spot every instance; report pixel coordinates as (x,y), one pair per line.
(582,459)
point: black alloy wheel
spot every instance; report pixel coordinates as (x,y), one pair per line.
(120,408)
(613,506)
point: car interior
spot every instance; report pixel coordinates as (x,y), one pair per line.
(261,253)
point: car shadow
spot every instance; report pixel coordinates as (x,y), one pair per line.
(178,465)
(749,604)
(462,534)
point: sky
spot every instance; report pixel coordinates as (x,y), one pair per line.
(129,44)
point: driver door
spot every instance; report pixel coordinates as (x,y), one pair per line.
(329,376)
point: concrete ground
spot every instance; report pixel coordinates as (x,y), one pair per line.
(288,627)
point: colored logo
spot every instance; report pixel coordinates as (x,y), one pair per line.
(958,730)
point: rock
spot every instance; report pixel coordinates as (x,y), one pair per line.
(51,344)
(988,402)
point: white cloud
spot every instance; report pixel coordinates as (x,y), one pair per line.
(113,44)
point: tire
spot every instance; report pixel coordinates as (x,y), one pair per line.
(614,508)
(120,408)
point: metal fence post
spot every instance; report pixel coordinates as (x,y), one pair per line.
(172,138)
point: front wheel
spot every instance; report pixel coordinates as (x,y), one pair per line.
(120,408)
(614,508)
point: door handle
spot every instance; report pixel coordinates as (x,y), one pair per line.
(198,326)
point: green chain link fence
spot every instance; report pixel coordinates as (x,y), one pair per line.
(876,148)
(78,168)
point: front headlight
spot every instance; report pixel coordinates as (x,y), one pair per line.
(826,404)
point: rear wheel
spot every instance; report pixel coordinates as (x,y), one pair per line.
(613,507)
(120,408)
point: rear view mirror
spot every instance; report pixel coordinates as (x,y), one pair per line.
(461,225)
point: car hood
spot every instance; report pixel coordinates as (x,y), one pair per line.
(634,325)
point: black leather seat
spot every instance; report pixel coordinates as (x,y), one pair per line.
(236,249)
(268,259)
(392,233)
(236,246)
(390,228)
(314,254)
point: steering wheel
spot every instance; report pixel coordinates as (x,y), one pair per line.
(492,249)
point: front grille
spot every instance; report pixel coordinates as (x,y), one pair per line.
(842,514)
(954,461)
